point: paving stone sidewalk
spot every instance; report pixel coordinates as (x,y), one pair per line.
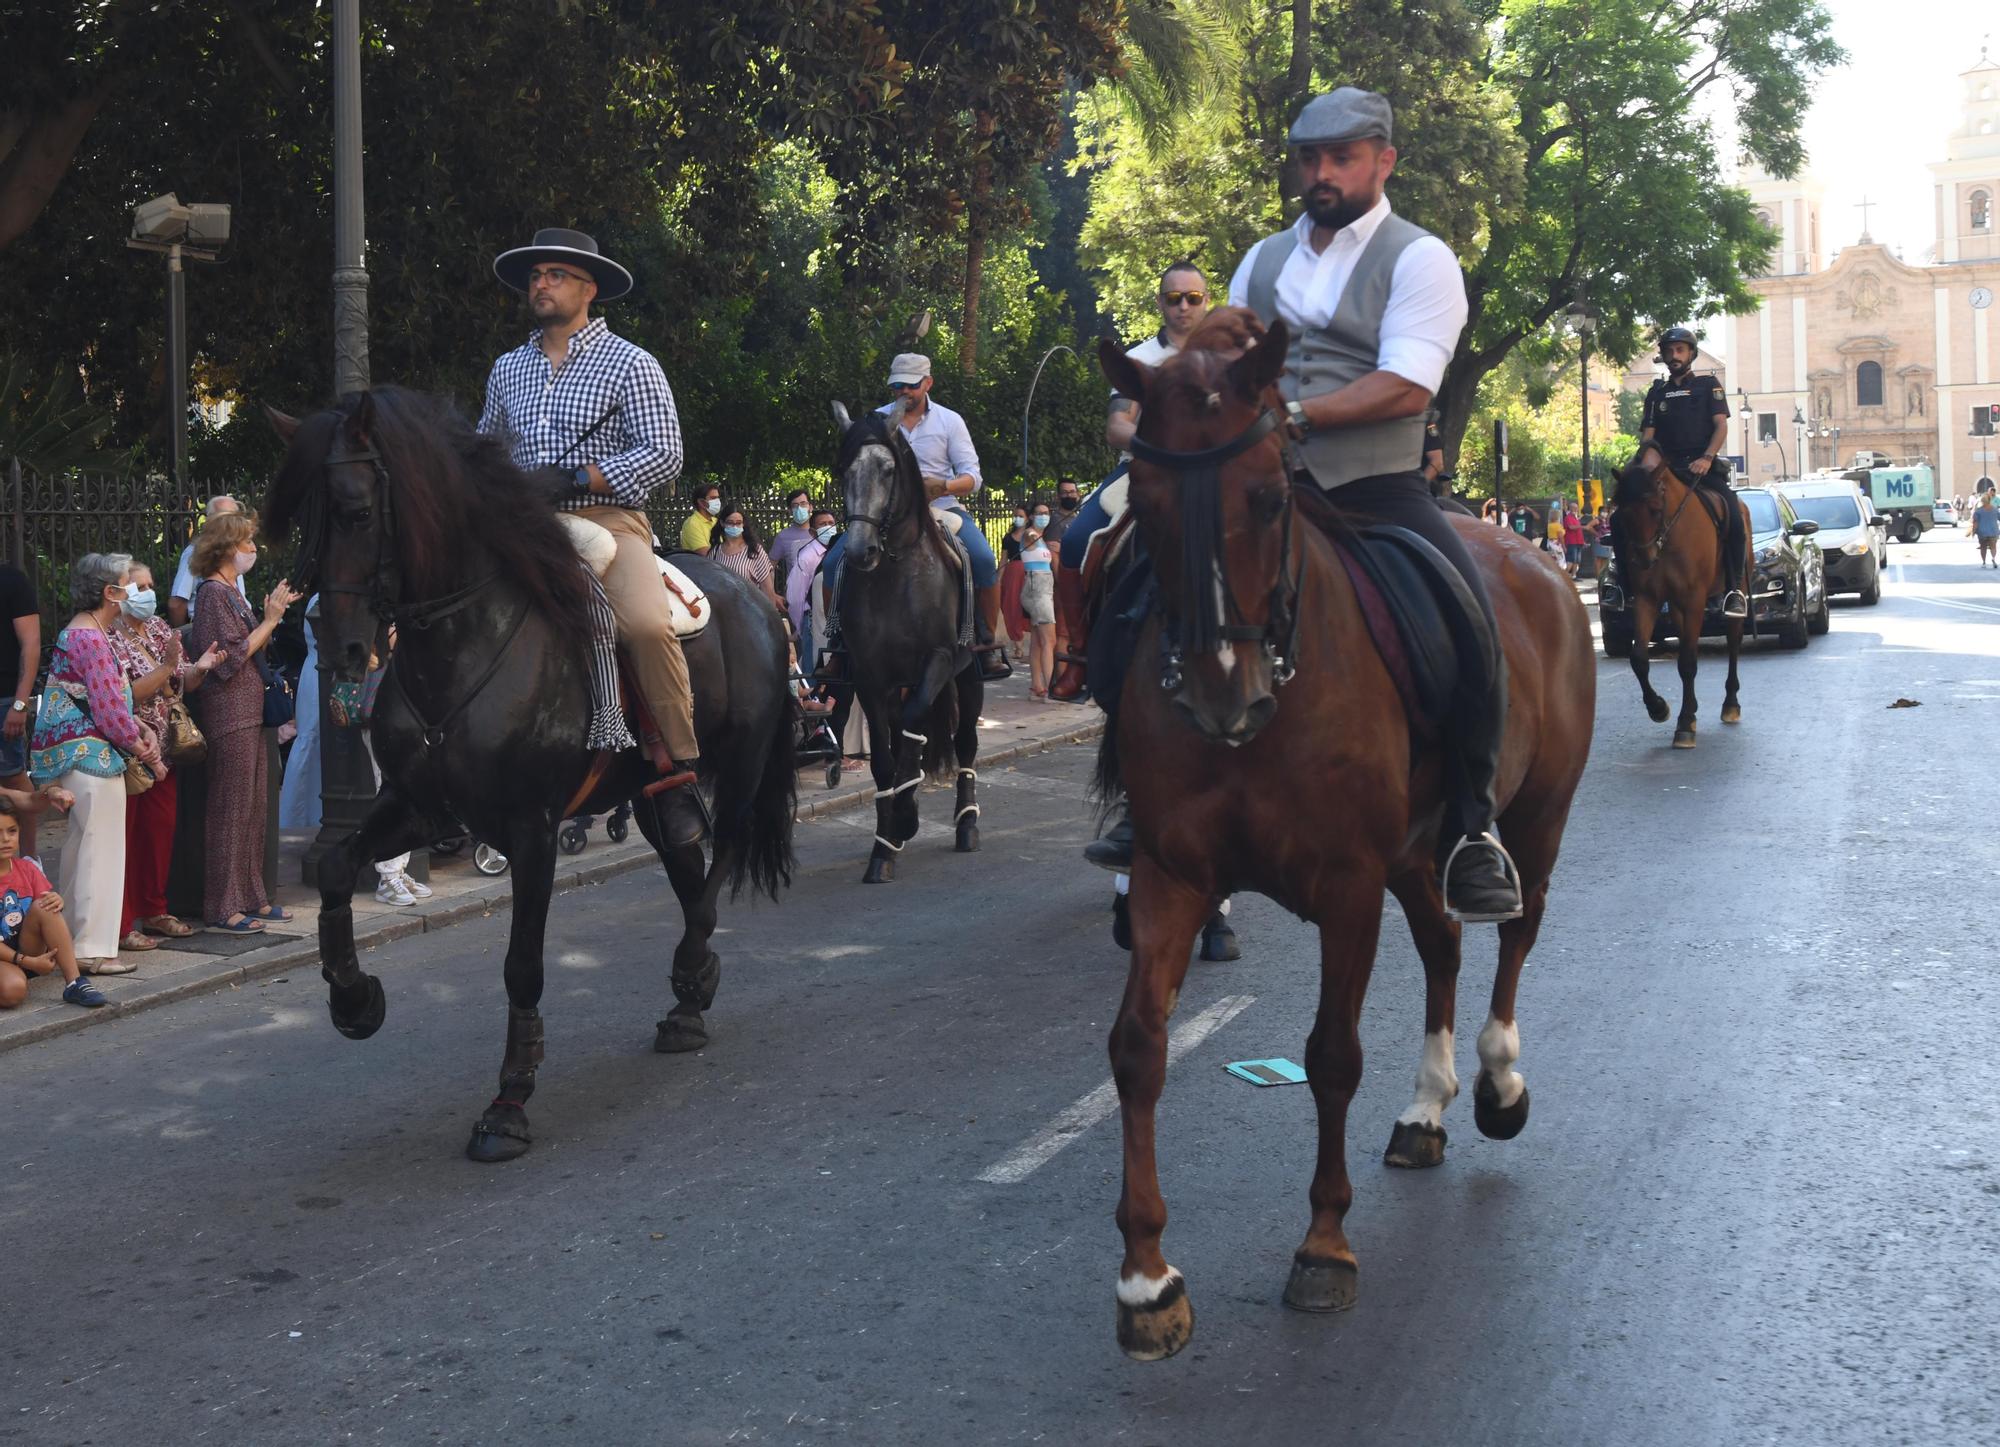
(1012,726)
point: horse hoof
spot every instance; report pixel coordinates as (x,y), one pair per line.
(1414,1145)
(968,838)
(500,1135)
(1219,944)
(1732,714)
(678,1033)
(1684,738)
(1496,1121)
(1154,1323)
(1328,1284)
(1657,710)
(359,1021)
(880,871)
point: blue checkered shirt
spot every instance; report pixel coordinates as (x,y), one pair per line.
(542,412)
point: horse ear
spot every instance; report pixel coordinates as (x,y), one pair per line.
(1264,363)
(840,417)
(1129,377)
(283,425)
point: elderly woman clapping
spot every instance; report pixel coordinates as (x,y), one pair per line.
(84,736)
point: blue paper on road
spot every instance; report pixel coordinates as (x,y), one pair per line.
(1267,1072)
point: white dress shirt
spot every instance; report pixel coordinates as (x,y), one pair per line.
(943,445)
(1426,310)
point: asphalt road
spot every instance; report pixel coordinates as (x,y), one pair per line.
(1758,1200)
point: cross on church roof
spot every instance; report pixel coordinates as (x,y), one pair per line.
(1863,208)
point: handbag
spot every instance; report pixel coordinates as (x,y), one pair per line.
(279,705)
(138,778)
(183,743)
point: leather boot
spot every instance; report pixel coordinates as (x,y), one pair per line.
(1071,671)
(1481,884)
(986,628)
(683,820)
(1113,849)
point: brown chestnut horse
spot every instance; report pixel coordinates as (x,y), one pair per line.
(1321,802)
(1669,546)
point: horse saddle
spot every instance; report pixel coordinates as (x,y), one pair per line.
(1426,623)
(949,521)
(687,605)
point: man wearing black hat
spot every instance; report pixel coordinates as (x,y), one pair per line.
(1375,306)
(1686,420)
(593,414)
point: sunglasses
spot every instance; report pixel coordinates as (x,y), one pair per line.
(1175,298)
(906,386)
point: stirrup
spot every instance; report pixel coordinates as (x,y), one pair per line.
(1507,869)
(1735,604)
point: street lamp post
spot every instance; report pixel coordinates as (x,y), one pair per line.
(347,785)
(1749,416)
(1583,318)
(1799,437)
(181,234)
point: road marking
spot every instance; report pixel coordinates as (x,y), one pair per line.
(1963,605)
(1041,1147)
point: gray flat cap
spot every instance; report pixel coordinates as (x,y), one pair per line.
(1347,114)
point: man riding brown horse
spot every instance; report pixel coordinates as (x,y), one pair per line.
(1686,421)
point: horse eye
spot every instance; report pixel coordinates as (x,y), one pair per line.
(356,518)
(1267,503)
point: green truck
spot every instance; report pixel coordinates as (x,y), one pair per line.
(1901,493)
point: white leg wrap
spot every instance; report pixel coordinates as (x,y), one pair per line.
(1499,1048)
(892,847)
(913,734)
(1437,1082)
(972,809)
(908,784)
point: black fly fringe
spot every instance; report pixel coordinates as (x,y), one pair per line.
(1201,538)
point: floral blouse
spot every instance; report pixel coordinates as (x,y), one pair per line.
(141,647)
(86,722)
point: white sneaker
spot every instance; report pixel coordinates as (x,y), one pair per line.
(391,891)
(415,887)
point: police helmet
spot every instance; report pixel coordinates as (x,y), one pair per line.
(1678,334)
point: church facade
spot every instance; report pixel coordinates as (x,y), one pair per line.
(1870,353)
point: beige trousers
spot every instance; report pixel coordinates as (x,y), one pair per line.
(639,602)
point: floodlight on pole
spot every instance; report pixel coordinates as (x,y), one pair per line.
(181,233)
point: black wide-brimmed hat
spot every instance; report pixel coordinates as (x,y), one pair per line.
(552,243)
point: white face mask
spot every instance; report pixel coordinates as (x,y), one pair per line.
(714,506)
(140,603)
(244,563)
(825,534)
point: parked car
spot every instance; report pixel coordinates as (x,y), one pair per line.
(1853,538)
(1787,585)
(1944,515)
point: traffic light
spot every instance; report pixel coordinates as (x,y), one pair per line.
(1992,418)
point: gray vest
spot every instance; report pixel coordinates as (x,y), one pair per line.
(1325,359)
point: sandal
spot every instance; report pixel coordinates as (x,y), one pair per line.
(271,912)
(244,925)
(166,924)
(106,967)
(138,940)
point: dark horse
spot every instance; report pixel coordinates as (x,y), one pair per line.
(1669,541)
(901,599)
(406,515)
(1322,803)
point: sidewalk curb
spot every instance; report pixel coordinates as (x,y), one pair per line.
(133,997)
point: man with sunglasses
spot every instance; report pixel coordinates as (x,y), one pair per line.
(592,415)
(1183,302)
(1375,305)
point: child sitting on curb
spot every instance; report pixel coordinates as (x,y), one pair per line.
(34,939)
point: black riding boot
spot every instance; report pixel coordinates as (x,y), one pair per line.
(683,820)
(1113,849)
(1735,601)
(1481,884)
(992,658)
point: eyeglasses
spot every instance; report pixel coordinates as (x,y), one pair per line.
(1175,298)
(554,276)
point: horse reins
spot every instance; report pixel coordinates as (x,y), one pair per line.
(1199,471)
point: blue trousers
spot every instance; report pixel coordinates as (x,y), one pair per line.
(1090,520)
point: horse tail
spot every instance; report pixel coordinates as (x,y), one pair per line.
(940,761)
(765,861)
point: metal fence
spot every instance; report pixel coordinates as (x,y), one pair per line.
(47,522)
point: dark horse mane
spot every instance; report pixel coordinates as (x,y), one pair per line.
(454,490)
(873,427)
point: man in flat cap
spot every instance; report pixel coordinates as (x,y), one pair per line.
(593,414)
(1375,306)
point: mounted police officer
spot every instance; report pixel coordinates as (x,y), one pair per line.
(592,415)
(1687,422)
(1375,305)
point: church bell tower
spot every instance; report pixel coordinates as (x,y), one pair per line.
(1967,181)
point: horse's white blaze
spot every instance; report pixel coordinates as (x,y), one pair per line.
(1437,1082)
(1226,656)
(1145,1290)
(1499,1048)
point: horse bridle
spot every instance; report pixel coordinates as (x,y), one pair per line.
(891,516)
(1278,635)
(1658,547)
(385,587)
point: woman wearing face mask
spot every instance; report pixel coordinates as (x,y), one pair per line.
(84,735)
(798,585)
(150,653)
(230,710)
(795,534)
(699,530)
(738,548)
(1038,601)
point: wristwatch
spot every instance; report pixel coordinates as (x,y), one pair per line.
(20,705)
(1297,412)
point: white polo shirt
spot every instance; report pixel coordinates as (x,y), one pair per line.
(1426,309)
